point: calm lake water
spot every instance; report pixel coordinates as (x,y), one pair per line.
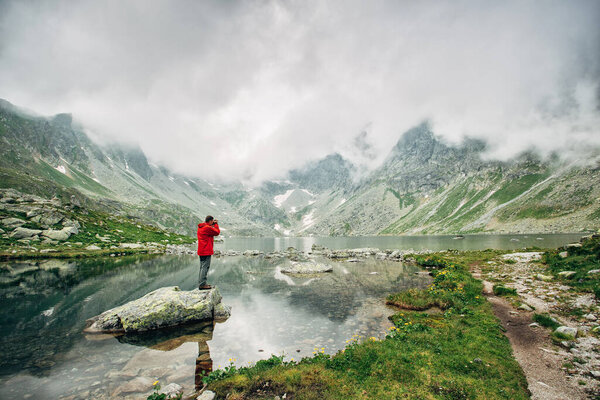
(44,305)
(433,242)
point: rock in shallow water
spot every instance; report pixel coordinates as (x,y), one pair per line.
(306,268)
(172,390)
(167,306)
(206,395)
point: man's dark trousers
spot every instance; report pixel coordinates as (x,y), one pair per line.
(204,266)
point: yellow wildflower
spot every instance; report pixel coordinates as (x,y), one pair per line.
(155,383)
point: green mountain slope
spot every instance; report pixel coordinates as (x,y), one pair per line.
(426,186)
(53,157)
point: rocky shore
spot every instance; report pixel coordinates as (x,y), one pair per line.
(347,255)
(28,218)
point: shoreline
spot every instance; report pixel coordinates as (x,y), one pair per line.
(98,249)
(556,367)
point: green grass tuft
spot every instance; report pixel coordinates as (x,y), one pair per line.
(500,290)
(545,320)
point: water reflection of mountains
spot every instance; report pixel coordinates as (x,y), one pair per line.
(44,304)
(333,295)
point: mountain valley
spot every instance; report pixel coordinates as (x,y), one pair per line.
(424,186)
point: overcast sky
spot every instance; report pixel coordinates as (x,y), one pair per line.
(249,89)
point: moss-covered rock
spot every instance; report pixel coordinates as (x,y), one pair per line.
(167,306)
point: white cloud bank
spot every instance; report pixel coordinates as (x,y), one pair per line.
(250,89)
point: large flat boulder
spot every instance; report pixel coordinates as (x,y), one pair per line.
(60,235)
(12,222)
(24,233)
(164,307)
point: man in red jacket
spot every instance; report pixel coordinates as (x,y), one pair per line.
(206,233)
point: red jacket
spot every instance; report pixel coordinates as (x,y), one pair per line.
(206,234)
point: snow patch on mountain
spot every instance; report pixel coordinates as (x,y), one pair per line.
(308,220)
(280,199)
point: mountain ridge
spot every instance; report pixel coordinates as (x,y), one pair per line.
(423,186)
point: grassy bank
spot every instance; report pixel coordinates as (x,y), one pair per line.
(445,344)
(104,231)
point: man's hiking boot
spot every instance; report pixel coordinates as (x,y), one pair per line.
(204,287)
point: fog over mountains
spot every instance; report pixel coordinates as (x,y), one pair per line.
(265,87)
(424,185)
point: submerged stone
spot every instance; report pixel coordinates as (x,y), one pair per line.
(167,306)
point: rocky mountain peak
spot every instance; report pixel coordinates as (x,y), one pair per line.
(132,158)
(420,136)
(333,171)
(63,120)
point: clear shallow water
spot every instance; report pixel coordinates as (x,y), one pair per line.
(44,305)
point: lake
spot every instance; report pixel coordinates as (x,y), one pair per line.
(429,242)
(44,305)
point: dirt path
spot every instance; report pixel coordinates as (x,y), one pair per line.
(565,370)
(533,350)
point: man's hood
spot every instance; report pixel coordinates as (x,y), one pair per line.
(202,224)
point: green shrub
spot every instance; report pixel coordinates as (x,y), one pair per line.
(430,261)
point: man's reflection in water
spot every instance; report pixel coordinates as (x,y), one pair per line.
(204,363)
(171,339)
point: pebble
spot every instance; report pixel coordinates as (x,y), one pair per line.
(567,274)
(172,390)
(206,395)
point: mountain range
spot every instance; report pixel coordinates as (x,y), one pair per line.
(424,186)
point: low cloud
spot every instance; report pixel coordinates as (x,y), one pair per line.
(248,90)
